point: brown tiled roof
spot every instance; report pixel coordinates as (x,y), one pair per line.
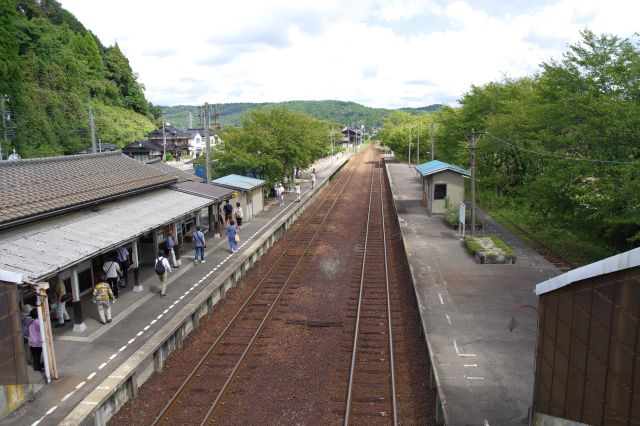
(32,188)
(212,192)
(181,175)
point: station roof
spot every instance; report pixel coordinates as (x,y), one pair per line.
(212,192)
(619,262)
(238,182)
(38,188)
(436,166)
(40,250)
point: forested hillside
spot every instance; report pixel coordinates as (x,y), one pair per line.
(52,70)
(560,153)
(339,112)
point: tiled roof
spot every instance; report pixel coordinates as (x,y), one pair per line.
(181,175)
(30,189)
(436,166)
(244,183)
(212,192)
(139,146)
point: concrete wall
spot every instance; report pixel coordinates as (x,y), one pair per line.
(12,397)
(122,385)
(258,202)
(455,189)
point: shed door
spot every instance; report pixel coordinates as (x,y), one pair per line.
(13,365)
(249,199)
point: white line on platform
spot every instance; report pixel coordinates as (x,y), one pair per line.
(448,319)
(470,365)
(101,366)
(131,341)
(51,410)
(122,348)
(113,356)
(67,396)
(475,378)
(146,328)
(153,322)
(79,385)
(37,422)
(455,345)
(91,376)
(182,297)
(140,333)
(441,301)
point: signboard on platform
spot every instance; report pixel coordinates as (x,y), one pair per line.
(461,217)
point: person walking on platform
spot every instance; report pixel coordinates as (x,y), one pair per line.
(201,244)
(162,268)
(313,178)
(124,260)
(281,194)
(232,234)
(112,270)
(169,245)
(35,341)
(61,300)
(297,192)
(228,212)
(102,294)
(238,213)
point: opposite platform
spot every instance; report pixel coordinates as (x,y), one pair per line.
(483,372)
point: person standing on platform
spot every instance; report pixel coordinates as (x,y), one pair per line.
(232,233)
(124,260)
(112,271)
(61,300)
(163,268)
(281,194)
(169,244)
(35,341)
(102,294)
(297,192)
(201,244)
(237,212)
(313,178)
(228,212)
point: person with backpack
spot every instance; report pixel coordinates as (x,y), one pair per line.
(201,244)
(162,268)
(228,212)
(113,272)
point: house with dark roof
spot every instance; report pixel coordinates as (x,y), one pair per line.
(144,151)
(441,182)
(352,137)
(177,140)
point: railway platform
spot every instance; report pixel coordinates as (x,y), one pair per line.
(483,372)
(102,367)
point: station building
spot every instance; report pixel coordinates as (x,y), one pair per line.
(248,191)
(61,217)
(441,181)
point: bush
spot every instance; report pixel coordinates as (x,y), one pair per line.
(489,249)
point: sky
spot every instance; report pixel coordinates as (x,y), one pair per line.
(379,53)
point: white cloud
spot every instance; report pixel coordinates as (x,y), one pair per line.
(377,52)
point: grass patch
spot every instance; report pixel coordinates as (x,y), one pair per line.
(490,249)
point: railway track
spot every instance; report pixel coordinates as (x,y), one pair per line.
(197,398)
(372,384)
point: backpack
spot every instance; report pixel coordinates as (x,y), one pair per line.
(160,269)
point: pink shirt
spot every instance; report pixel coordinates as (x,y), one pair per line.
(35,340)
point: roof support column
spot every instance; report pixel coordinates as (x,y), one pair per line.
(211,218)
(78,321)
(135,265)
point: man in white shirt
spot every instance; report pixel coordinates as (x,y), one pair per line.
(112,269)
(164,276)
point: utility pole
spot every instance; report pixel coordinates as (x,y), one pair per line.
(418,150)
(207,143)
(409,145)
(190,120)
(3,99)
(473,139)
(164,141)
(333,135)
(433,135)
(93,130)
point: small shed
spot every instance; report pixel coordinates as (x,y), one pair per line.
(249,193)
(588,350)
(440,181)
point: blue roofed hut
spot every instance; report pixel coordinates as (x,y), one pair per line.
(441,181)
(249,193)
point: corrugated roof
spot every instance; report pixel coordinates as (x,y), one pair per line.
(212,192)
(436,166)
(619,262)
(42,249)
(31,189)
(243,183)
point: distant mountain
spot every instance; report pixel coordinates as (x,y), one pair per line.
(345,113)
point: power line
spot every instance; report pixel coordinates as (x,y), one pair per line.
(559,157)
